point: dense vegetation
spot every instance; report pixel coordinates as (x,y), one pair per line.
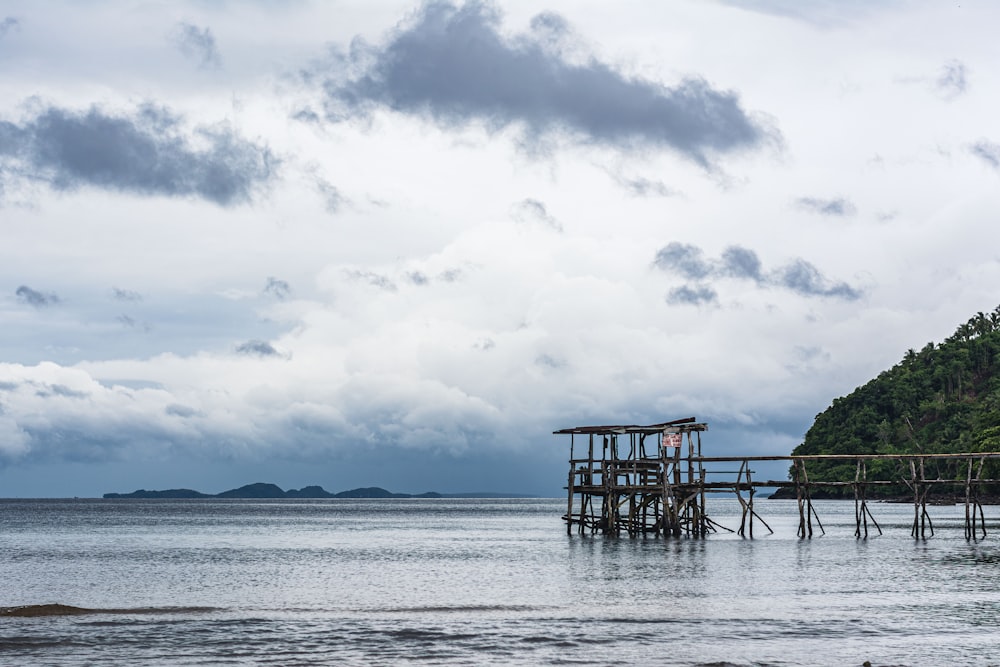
(943,399)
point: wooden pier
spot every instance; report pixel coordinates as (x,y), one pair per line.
(654,479)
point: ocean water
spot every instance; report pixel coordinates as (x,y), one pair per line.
(483,582)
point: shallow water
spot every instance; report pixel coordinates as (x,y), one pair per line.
(485,582)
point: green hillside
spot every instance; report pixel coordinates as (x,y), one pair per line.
(943,399)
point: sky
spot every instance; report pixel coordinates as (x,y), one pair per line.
(395,244)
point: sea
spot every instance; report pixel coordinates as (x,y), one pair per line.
(484,582)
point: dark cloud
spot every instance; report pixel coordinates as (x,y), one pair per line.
(802,277)
(9,24)
(279,289)
(373,279)
(35,298)
(418,277)
(130,322)
(178,410)
(63,390)
(687,260)
(306,116)
(125,295)
(532,210)
(549,361)
(692,294)
(451,275)
(953,80)
(257,348)
(644,187)
(987,151)
(143,153)
(198,44)
(836,207)
(452,65)
(741,263)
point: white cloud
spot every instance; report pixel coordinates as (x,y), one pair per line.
(413,289)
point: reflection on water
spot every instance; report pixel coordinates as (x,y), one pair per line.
(481,582)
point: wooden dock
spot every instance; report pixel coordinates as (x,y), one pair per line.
(654,480)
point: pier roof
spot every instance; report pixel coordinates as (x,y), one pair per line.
(686,424)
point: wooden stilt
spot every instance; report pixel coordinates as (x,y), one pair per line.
(921,519)
(569,504)
(861,511)
(973,507)
(806,510)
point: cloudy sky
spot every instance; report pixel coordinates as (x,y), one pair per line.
(387,243)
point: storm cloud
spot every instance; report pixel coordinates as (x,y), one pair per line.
(145,153)
(452,65)
(741,263)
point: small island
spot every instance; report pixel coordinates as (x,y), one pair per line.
(263,490)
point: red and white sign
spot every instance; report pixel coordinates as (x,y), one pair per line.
(672,439)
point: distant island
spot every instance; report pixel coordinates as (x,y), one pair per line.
(262,490)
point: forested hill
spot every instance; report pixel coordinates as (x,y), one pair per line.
(943,399)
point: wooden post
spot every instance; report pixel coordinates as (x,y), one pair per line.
(969,525)
(979,505)
(800,497)
(680,506)
(739,497)
(921,519)
(569,501)
(857,503)
(703,511)
(805,502)
(671,522)
(972,503)
(861,511)
(923,502)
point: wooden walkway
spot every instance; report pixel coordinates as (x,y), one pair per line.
(654,480)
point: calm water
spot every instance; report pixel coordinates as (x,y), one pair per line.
(445,582)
